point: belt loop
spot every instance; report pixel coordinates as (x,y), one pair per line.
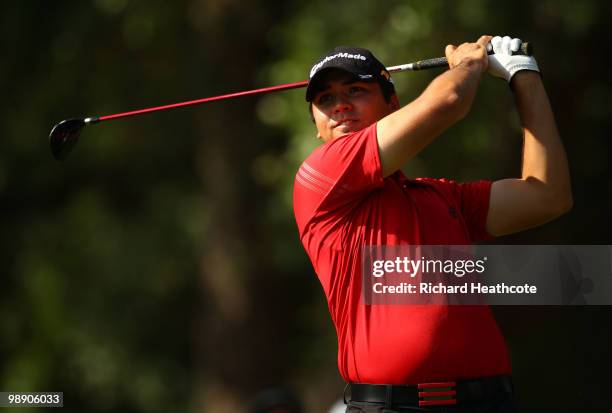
(389,396)
(344,393)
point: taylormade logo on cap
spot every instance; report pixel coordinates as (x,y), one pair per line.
(335,56)
(357,61)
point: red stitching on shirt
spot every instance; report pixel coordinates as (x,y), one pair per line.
(307,185)
(308,177)
(317,174)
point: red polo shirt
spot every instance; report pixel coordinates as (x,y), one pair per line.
(342,203)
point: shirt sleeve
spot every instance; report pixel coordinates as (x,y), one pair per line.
(473,199)
(337,174)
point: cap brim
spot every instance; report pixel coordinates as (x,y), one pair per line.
(313,83)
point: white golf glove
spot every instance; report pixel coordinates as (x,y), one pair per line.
(503,63)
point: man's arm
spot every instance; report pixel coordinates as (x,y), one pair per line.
(543,192)
(448,98)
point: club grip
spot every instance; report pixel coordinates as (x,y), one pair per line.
(526,49)
(430,63)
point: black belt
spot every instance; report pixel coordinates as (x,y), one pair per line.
(434,394)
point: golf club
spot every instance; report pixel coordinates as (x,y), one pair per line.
(65,134)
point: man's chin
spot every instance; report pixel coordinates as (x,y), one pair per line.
(346,129)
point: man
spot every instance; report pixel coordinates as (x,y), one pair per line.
(350,193)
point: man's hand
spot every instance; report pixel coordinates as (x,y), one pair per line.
(503,63)
(468,53)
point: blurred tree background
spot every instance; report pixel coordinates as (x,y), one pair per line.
(158,268)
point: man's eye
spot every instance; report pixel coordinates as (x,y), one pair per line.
(355,89)
(325,98)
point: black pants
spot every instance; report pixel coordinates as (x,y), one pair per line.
(490,406)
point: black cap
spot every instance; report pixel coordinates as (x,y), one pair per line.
(360,62)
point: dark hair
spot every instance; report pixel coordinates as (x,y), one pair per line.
(387,89)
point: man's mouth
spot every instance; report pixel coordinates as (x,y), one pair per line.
(344,122)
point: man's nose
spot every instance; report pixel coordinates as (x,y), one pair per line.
(342,104)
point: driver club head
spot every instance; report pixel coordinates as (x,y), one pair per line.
(64,136)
